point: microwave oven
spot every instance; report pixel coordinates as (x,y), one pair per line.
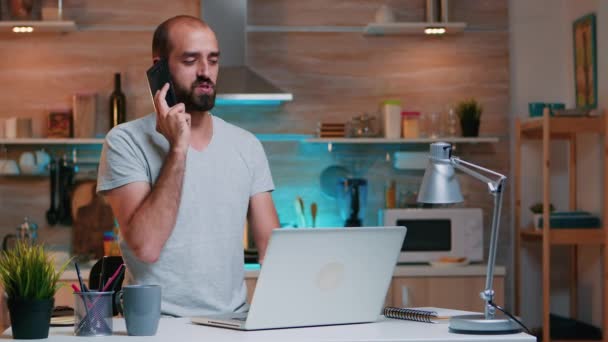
(434,233)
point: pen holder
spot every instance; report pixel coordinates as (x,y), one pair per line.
(93,313)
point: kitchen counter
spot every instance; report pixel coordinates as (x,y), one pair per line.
(252,271)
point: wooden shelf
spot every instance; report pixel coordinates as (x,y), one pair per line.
(52,141)
(562,127)
(381,29)
(567,236)
(403,141)
(371,29)
(271,137)
(267,138)
(39,26)
(548,128)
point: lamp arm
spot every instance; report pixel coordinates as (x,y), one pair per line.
(495,187)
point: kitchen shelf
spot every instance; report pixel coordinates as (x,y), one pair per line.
(270,137)
(382,29)
(39,26)
(472,140)
(306,138)
(305,29)
(562,127)
(566,236)
(371,29)
(274,137)
(52,141)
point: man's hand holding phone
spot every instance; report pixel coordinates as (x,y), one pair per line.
(172,122)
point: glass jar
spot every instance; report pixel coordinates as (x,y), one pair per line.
(411,125)
(391,114)
(452,123)
(362,126)
(434,128)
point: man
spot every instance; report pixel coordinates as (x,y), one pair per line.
(182,182)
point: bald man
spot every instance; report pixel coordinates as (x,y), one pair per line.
(182,182)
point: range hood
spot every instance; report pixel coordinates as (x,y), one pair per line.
(237,84)
(437,23)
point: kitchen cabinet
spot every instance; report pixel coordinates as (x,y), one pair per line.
(411,285)
(421,285)
(454,292)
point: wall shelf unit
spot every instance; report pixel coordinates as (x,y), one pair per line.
(466,140)
(567,236)
(39,26)
(371,29)
(271,137)
(546,129)
(383,29)
(52,141)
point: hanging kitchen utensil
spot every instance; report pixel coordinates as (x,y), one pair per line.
(299,206)
(51,214)
(66,182)
(313,213)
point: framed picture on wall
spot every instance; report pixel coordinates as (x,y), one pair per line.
(585,61)
(20,9)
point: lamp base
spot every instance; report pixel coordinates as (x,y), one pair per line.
(478,324)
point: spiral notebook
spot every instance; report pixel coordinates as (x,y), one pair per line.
(424,314)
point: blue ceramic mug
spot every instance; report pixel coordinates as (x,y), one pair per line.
(536,108)
(140,304)
(556,106)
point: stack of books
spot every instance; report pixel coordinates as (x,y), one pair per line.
(330,130)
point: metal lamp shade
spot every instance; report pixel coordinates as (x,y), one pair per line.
(439,184)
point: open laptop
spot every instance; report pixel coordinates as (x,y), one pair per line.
(320,276)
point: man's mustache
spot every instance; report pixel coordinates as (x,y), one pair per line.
(203,81)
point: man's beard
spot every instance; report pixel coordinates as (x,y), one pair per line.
(193,102)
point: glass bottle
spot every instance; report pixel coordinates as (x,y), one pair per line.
(452,123)
(118,105)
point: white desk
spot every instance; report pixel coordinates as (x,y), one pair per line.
(180,329)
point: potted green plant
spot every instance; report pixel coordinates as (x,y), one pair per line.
(469,113)
(30,281)
(537,213)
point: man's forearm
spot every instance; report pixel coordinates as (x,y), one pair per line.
(154,220)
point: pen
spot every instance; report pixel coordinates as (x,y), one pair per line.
(122,271)
(114,276)
(79,277)
(102,274)
(75,288)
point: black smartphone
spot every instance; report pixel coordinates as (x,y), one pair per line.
(158,75)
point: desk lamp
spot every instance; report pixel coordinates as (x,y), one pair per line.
(440,186)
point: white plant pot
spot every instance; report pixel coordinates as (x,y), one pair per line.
(536,220)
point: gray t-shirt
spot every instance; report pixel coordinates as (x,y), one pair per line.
(201,267)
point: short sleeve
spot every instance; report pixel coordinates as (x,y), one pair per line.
(262,178)
(122,162)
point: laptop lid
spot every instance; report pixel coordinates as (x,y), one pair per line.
(324,276)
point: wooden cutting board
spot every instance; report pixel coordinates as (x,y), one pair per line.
(90,222)
(82,195)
